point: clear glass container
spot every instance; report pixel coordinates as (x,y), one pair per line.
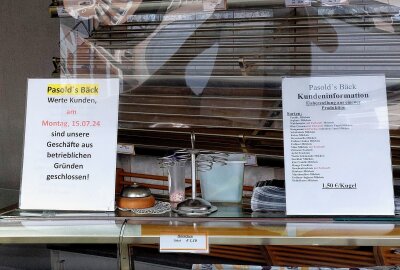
(176,181)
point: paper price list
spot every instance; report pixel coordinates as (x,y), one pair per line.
(307,149)
(329,122)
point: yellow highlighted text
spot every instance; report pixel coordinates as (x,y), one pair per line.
(73,90)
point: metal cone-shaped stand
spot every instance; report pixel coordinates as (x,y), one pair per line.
(194,206)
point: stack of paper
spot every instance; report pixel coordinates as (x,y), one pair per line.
(396,200)
(268,197)
(397,206)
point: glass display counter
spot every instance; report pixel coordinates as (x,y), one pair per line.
(230,226)
(217,75)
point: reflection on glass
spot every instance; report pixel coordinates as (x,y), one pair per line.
(187,68)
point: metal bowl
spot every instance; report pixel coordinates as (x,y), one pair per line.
(135,191)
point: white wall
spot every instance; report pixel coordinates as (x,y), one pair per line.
(28,41)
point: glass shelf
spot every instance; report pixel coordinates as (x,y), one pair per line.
(230,225)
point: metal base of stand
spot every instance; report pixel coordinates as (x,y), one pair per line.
(195,207)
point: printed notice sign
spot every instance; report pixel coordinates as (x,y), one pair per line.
(184,243)
(70,144)
(337,146)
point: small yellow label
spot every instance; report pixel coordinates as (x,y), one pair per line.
(73,90)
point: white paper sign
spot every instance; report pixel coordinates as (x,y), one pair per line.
(251,160)
(127,149)
(297,3)
(337,146)
(70,144)
(184,243)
